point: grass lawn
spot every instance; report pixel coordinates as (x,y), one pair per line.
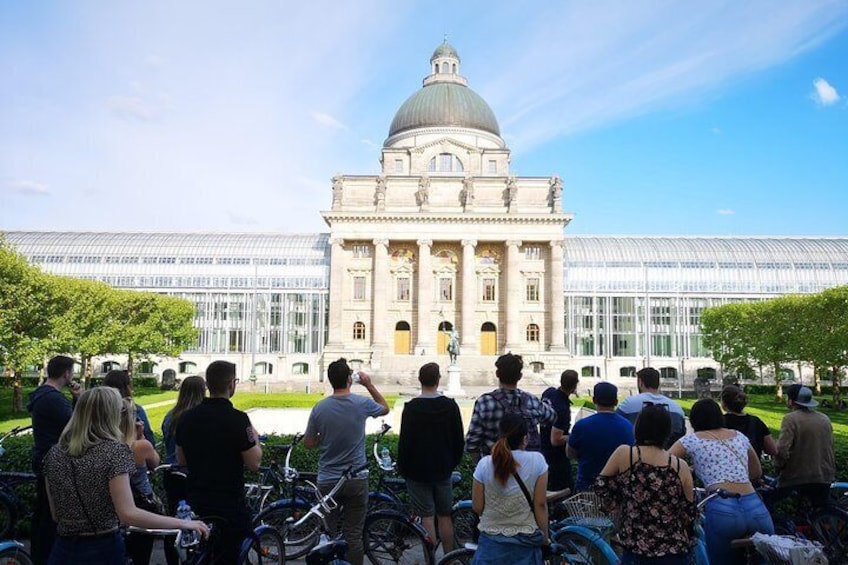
(158,403)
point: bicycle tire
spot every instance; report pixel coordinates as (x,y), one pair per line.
(461,556)
(830,527)
(264,547)
(378,501)
(15,556)
(8,514)
(392,537)
(298,541)
(583,546)
(465,522)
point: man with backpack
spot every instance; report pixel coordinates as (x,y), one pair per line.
(648,383)
(490,407)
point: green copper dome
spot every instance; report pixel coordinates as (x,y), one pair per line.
(445,104)
(445,50)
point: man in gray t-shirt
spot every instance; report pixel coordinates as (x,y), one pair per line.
(337,426)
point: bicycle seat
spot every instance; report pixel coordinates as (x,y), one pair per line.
(397,481)
(17,475)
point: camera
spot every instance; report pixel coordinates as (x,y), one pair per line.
(355,377)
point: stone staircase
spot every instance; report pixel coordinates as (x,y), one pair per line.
(477,370)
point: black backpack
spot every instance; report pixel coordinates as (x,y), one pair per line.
(534,441)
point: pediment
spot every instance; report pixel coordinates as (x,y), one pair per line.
(446,145)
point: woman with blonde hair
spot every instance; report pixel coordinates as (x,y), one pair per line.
(508,494)
(88,485)
(139,546)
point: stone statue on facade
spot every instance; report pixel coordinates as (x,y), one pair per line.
(511,191)
(380,193)
(423,194)
(338,189)
(468,191)
(556,193)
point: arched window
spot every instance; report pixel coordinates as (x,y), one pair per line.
(359,330)
(590,371)
(187,367)
(538,366)
(454,68)
(668,373)
(446,163)
(627,372)
(146,367)
(300,369)
(263,368)
(533,333)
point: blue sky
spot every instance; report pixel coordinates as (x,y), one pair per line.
(661,117)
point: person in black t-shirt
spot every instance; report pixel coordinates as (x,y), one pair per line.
(733,400)
(555,437)
(216,442)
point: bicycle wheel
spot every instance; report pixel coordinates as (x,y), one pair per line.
(298,541)
(391,537)
(8,516)
(14,555)
(830,527)
(265,548)
(461,556)
(465,522)
(582,546)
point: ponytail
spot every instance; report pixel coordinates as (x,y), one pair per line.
(503,461)
(513,430)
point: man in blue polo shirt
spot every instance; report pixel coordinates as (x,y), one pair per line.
(593,439)
(648,383)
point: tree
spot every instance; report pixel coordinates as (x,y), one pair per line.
(27,313)
(771,329)
(827,334)
(726,333)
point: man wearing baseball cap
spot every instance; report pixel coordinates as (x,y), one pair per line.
(805,460)
(594,438)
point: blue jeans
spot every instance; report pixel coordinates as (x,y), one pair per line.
(91,550)
(727,519)
(520,549)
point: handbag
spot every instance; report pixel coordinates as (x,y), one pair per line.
(547,552)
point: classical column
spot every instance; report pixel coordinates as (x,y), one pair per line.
(468,331)
(514,292)
(380,295)
(337,304)
(557,298)
(425,297)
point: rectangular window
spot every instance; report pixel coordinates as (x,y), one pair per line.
(493,167)
(361,250)
(398,165)
(445,289)
(533,253)
(403,289)
(532,294)
(359,288)
(489,290)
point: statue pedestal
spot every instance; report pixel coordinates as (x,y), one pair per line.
(454,388)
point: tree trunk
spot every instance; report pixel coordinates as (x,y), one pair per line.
(777,383)
(817,379)
(130,364)
(84,377)
(837,390)
(17,396)
(762,380)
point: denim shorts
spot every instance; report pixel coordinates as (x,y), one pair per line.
(430,499)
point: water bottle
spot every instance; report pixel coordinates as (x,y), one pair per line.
(189,537)
(385,459)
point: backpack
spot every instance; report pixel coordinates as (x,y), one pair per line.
(534,441)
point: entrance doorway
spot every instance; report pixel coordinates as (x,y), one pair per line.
(443,337)
(402,341)
(488,339)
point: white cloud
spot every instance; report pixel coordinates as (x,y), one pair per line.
(716,131)
(725,212)
(241,219)
(131,108)
(327,120)
(30,187)
(824,93)
(368,143)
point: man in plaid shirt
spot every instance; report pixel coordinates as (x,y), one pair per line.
(490,408)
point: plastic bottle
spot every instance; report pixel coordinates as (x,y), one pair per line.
(189,537)
(385,459)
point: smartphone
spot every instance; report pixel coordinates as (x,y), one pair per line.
(355,377)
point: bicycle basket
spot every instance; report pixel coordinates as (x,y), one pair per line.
(584,509)
(789,550)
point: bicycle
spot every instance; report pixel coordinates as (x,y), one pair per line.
(12,552)
(278,483)
(779,550)
(264,546)
(12,508)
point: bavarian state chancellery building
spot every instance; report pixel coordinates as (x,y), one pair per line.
(444,237)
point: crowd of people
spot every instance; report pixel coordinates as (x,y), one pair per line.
(92,455)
